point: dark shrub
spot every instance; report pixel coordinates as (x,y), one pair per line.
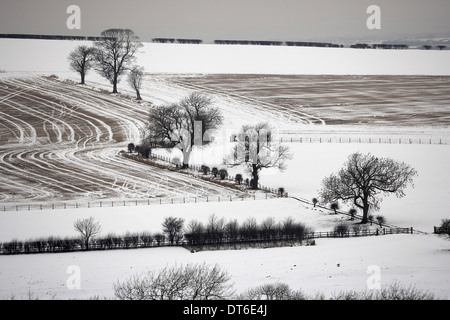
(205,169)
(223,174)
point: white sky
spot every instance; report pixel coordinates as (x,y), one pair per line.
(230,19)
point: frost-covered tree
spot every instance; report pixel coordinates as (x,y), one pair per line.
(88,229)
(173,227)
(364,178)
(256,149)
(190,282)
(184,124)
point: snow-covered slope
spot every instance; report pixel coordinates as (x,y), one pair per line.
(50,56)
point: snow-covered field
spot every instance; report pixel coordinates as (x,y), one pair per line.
(60,142)
(419,260)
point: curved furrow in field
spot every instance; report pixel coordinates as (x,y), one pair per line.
(21,178)
(52,105)
(106,106)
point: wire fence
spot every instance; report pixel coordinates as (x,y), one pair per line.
(136,202)
(378,140)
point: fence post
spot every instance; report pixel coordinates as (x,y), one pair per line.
(112,203)
(230,199)
(124,203)
(136,202)
(207,199)
(101,204)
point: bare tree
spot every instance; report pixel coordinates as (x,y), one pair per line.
(190,282)
(256,150)
(185,124)
(135,78)
(173,227)
(364,178)
(88,228)
(115,52)
(80,60)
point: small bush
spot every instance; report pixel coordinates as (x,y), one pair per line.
(215,172)
(444,227)
(381,220)
(238,178)
(352,213)
(281,191)
(334,206)
(223,174)
(205,169)
(315,201)
(131,147)
(341,229)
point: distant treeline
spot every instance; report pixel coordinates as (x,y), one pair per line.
(379,46)
(232,42)
(171,40)
(48,37)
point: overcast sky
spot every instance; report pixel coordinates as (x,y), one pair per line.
(231,19)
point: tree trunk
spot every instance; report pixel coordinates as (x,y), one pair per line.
(255,176)
(115,84)
(82,77)
(138,95)
(365,211)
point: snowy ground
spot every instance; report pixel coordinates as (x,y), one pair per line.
(422,260)
(51,130)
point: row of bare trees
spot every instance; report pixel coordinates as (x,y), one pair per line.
(112,55)
(218,231)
